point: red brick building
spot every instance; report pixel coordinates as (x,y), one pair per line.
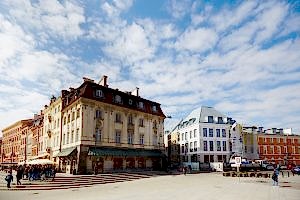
(279,148)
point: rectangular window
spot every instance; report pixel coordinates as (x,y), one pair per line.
(182,136)
(98,114)
(118,137)
(99,93)
(118,117)
(68,137)
(130,120)
(154,140)
(223,133)
(98,135)
(204,132)
(130,138)
(182,148)
(191,147)
(64,139)
(142,139)
(185,136)
(195,133)
(72,137)
(218,145)
(210,119)
(211,145)
(191,134)
(141,122)
(224,146)
(204,145)
(77,135)
(78,113)
(220,120)
(73,116)
(218,132)
(195,146)
(211,132)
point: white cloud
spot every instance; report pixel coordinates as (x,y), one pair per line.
(179,8)
(199,40)
(48,17)
(133,45)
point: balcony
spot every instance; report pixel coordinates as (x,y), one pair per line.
(130,127)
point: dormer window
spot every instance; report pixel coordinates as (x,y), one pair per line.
(141,105)
(210,119)
(118,99)
(154,109)
(220,120)
(99,94)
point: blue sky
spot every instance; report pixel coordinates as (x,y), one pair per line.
(242,57)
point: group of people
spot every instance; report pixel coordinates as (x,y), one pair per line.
(31,172)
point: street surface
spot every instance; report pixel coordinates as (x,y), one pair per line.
(207,186)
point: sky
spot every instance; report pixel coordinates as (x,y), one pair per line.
(241,57)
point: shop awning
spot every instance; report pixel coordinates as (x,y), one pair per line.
(100,151)
(65,152)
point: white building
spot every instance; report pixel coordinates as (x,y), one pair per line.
(204,136)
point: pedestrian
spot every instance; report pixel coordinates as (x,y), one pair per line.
(9,178)
(19,175)
(275,177)
(184,170)
(53,173)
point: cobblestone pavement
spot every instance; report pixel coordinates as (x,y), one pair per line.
(211,186)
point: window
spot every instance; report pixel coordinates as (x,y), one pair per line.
(73,116)
(205,145)
(78,113)
(223,133)
(65,120)
(118,117)
(182,136)
(154,140)
(129,138)
(224,146)
(69,117)
(211,145)
(130,102)
(195,132)
(195,146)
(191,147)
(141,122)
(77,135)
(220,120)
(218,132)
(98,114)
(142,139)
(118,99)
(141,105)
(99,93)
(72,137)
(118,137)
(64,139)
(191,134)
(210,119)
(154,124)
(211,132)
(185,136)
(68,138)
(154,109)
(98,135)
(204,132)
(218,145)
(182,148)
(130,120)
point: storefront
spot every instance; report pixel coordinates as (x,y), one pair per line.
(106,159)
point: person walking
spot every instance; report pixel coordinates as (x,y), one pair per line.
(9,178)
(19,175)
(275,177)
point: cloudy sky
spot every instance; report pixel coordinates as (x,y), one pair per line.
(241,57)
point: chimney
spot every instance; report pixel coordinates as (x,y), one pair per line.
(103,81)
(135,92)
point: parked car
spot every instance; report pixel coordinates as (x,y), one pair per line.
(296,170)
